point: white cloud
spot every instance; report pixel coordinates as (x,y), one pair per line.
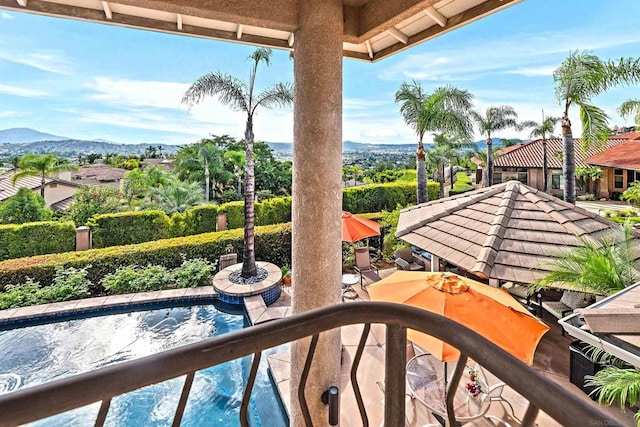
(137,93)
(5,15)
(543,70)
(9,114)
(19,91)
(52,62)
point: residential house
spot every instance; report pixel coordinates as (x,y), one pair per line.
(56,190)
(620,165)
(525,163)
(166,164)
(98,174)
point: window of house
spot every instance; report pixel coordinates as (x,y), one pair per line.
(618,178)
(632,176)
(557,181)
(497,178)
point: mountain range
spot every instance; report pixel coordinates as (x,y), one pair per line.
(20,141)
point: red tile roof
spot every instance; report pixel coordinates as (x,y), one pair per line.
(529,155)
(622,156)
(629,135)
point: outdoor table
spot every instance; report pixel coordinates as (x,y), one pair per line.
(425,378)
(348,280)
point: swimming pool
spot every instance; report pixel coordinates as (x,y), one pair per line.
(36,354)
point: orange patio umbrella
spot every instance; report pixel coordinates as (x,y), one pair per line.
(356,228)
(489,311)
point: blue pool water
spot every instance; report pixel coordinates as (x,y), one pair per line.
(37,354)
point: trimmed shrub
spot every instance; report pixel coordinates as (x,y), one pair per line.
(36,238)
(235,214)
(129,228)
(201,219)
(273,211)
(462,184)
(379,197)
(273,244)
(178,225)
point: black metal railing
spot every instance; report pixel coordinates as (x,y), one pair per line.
(39,402)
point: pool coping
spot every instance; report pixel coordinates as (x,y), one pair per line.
(56,309)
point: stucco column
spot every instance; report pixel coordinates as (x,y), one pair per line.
(317,193)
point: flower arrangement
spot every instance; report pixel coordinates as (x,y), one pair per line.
(473,386)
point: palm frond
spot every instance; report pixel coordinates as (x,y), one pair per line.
(595,128)
(630,107)
(616,385)
(230,91)
(279,95)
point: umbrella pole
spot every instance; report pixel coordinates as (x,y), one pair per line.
(445,374)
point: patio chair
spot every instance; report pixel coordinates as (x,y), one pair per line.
(406,260)
(364,267)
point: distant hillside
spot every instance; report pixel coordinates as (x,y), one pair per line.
(287,147)
(74,148)
(24,135)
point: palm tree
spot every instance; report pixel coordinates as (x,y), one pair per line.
(445,110)
(541,130)
(605,266)
(42,166)
(631,107)
(238,160)
(240,96)
(177,196)
(579,78)
(495,119)
(446,149)
(614,384)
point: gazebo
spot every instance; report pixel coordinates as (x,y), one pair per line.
(320,33)
(506,232)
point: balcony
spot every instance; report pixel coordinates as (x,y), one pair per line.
(542,394)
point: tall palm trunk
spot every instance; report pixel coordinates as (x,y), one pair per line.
(207,180)
(489,181)
(421,174)
(451,173)
(239,184)
(441,179)
(545,166)
(249,255)
(42,184)
(568,161)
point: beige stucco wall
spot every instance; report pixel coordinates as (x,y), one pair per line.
(54,192)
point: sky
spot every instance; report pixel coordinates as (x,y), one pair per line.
(92,81)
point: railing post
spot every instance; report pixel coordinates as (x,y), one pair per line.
(395,375)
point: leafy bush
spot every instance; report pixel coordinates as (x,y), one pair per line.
(36,238)
(273,211)
(129,227)
(136,279)
(273,244)
(93,200)
(462,184)
(235,214)
(68,284)
(192,273)
(24,206)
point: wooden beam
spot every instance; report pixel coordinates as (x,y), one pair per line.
(291,40)
(239,31)
(107,10)
(22,3)
(179,21)
(369,49)
(436,16)
(399,35)
(377,16)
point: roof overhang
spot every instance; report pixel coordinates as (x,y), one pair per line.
(373,29)
(620,346)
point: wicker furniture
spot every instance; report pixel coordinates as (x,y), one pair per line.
(406,260)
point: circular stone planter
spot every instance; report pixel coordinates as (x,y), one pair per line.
(234,293)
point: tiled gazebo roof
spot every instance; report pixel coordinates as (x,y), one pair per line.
(508,231)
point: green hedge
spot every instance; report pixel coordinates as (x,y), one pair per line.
(201,219)
(273,244)
(127,228)
(273,211)
(378,197)
(235,214)
(462,184)
(36,238)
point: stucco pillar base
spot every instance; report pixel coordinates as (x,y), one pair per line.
(317,194)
